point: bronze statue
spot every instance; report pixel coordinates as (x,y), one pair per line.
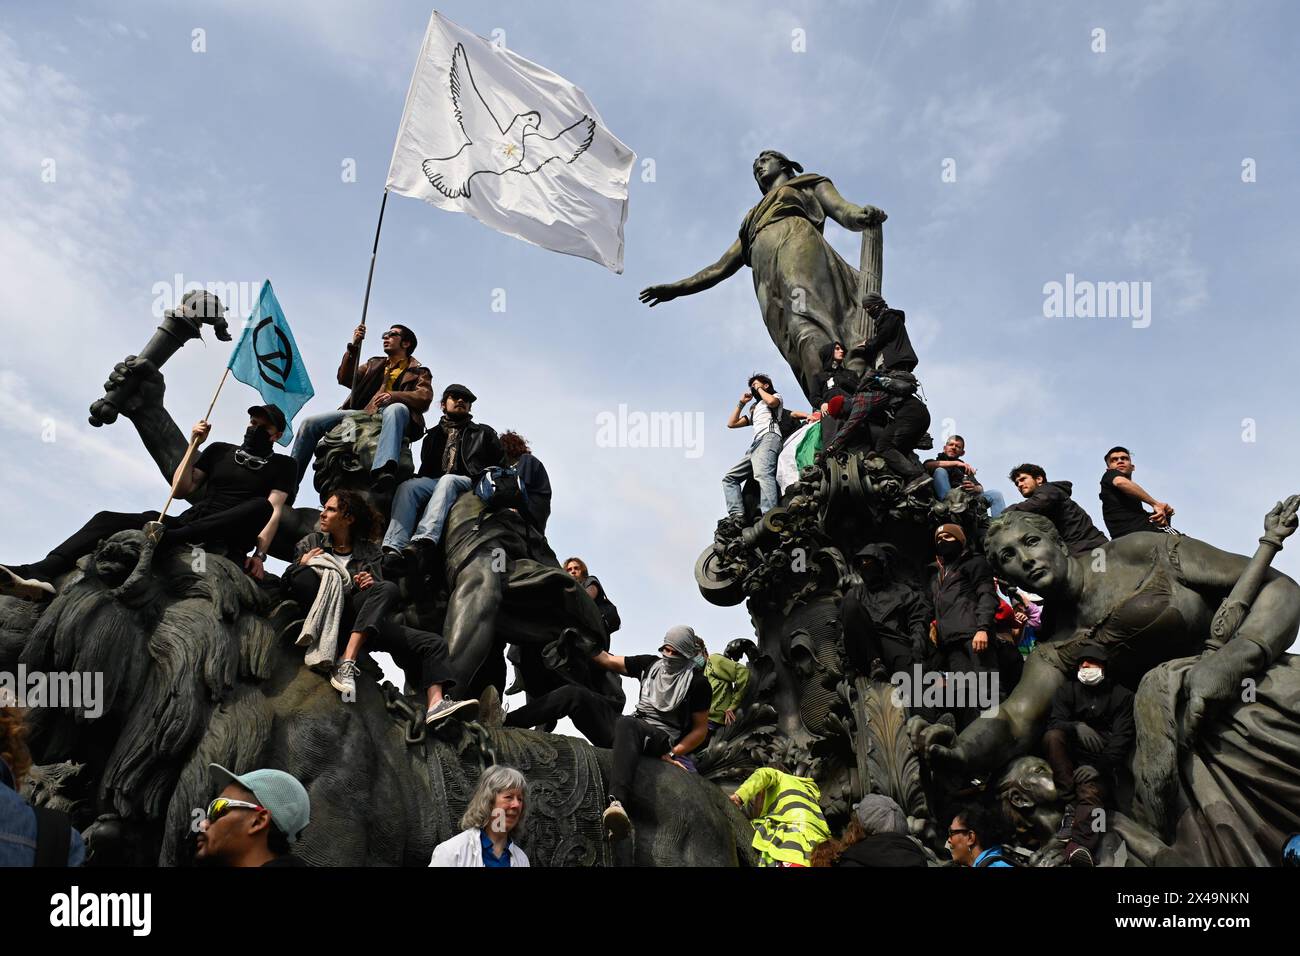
(809,296)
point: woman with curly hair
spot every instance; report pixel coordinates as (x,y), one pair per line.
(492,822)
(29,837)
(338,576)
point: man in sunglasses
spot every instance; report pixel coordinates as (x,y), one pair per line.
(394,385)
(254,820)
(244,487)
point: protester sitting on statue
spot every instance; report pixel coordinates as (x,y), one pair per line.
(526,488)
(493,821)
(338,577)
(245,489)
(965,604)
(785,810)
(1090,736)
(455,452)
(835,380)
(254,820)
(975,837)
(760,459)
(577,568)
(394,384)
(885,620)
(670,720)
(1052,500)
(877,835)
(1122,498)
(29,836)
(890,347)
(728,679)
(886,416)
(950,471)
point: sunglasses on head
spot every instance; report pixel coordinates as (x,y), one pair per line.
(219,807)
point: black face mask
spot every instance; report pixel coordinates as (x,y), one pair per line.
(257,441)
(948,549)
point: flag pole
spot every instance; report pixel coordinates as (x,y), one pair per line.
(365,305)
(189,452)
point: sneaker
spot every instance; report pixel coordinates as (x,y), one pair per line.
(29,588)
(344,679)
(1067,820)
(1079,857)
(465,709)
(490,713)
(616,820)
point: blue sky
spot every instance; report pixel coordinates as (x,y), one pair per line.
(225,166)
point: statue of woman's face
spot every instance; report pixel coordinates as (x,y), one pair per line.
(1028,558)
(766,170)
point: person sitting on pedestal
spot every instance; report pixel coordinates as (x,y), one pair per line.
(394,384)
(455,452)
(1122,499)
(834,381)
(950,471)
(1089,737)
(246,488)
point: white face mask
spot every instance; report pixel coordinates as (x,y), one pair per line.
(1090,675)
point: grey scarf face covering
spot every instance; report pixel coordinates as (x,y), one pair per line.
(666,683)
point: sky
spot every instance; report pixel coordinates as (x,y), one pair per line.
(1012,144)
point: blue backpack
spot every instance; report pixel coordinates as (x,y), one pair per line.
(499,487)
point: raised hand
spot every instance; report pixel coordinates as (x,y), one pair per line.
(655,294)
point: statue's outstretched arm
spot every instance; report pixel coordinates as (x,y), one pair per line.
(706,278)
(849,215)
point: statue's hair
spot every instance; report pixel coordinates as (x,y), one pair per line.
(1039,523)
(13,742)
(495,779)
(787,164)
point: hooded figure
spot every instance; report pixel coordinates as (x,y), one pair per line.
(890,348)
(666,683)
(886,621)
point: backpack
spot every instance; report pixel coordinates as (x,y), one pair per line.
(499,487)
(786,423)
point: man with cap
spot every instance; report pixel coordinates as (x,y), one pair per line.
(253,820)
(886,621)
(1089,737)
(671,718)
(965,608)
(245,490)
(455,452)
(394,385)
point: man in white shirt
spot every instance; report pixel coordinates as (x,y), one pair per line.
(760,459)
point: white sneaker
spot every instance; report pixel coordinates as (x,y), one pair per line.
(466,709)
(29,588)
(344,679)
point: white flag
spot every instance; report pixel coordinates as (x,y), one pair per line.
(520,149)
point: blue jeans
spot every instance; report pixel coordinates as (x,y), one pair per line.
(422,504)
(943,485)
(312,429)
(760,461)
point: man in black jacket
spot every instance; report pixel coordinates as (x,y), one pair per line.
(965,607)
(885,620)
(1052,500)
(453,455)
(832,381)
(1089,737)
(890,347)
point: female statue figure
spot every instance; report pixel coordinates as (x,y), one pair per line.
(807,293)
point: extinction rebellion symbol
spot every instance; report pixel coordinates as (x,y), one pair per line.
(273,366)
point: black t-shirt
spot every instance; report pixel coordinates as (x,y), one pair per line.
(955,474)
(229,483)
(697,697)
(1122,513)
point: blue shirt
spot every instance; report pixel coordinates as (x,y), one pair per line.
(18,828)
(991,850)
(489,857)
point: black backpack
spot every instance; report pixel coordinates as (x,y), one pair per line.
(787,423)
(499,487)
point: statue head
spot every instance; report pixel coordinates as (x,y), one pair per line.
(117,556)
(344,455)
(771,166)
(1027,550)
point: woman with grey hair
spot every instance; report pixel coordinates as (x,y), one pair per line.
(492,822)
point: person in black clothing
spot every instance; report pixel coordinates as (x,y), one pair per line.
(534,482)
(834,380)
(885,620)
(1089,737)
(455,452)
(876,836)
(965,607)
(1122,498)
(577,569)
(1052,500)
(671,718)
(347,528)
(245,486)
(890,347)
(886,409)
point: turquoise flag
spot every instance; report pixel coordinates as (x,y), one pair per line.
(267,358)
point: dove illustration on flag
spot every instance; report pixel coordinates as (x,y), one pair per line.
(489,133)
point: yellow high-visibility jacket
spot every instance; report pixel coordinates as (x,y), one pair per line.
(791,823)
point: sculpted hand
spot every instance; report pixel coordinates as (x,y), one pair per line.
(149,386)
(1211,683)
(1281,522)
(653,295)
(869,216)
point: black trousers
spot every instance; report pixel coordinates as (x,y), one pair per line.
(960,657)
(592,714)
(1089,797)
(232,532)
(868,645)
(633,737)
(370,612)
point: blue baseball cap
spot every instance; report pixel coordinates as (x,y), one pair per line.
(281,793)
